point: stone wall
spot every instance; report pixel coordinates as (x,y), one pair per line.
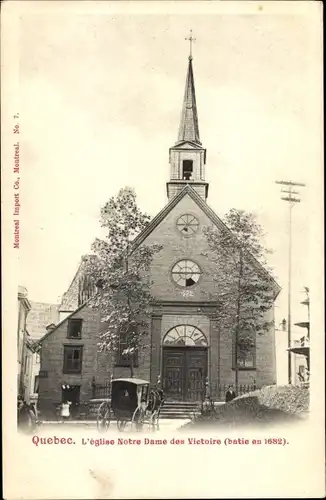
(96,366)
(52,358)
(194,306)
(40,316)
(264,372)
(220,352)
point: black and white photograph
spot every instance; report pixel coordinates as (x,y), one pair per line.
(163,249)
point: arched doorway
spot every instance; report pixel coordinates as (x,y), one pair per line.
(184,363)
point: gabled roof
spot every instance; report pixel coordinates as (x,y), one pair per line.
(188,190)
(61,323)
(187,145)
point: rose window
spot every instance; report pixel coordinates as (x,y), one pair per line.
(186,273)
(187,224)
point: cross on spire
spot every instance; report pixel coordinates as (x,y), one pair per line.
(191,40)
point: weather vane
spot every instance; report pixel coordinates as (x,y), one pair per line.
(191,39)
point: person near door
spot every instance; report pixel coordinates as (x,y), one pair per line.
(230,394)
(65,410)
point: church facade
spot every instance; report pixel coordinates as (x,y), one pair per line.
(189,348)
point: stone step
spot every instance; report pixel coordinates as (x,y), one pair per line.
(172,405)
(170,409)
(185,403)
(182,405)
(166,402)
(178,405)
(189,407)
(177,416)
(178,413)
(180,408)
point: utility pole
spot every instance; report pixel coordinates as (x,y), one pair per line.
(292,200)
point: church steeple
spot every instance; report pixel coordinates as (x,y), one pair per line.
(189,130)
(187,156)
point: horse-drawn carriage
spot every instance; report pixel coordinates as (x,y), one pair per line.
(132,402)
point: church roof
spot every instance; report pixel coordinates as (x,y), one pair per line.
(210,214)
(189,130)
(70,299)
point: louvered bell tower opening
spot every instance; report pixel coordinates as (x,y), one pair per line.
(187,170)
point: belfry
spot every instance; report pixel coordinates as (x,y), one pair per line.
(188,157)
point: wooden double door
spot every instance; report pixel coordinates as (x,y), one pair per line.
(184,373)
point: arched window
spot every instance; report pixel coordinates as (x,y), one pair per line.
(185,335)
(186,273)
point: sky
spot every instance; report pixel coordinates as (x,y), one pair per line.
(100,97)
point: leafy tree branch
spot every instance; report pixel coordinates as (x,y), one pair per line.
(123,278)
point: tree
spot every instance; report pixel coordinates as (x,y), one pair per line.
(121,271)
(244,286)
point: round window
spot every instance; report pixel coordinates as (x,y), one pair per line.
(186,273)
(187,224)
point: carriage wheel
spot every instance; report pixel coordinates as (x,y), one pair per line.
(103,417)
(138,418)
(121,424)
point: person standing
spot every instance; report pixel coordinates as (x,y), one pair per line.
(65,410)
(230,394)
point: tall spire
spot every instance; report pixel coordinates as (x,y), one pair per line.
(187,157)
(189,130)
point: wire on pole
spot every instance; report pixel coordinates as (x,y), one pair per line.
(290,183)
(291,200)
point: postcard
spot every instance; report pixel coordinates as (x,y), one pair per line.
(162,215)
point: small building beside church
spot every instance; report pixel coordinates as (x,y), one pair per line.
(187,347)
(23,352)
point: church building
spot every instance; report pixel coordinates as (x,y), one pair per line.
(189,349)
